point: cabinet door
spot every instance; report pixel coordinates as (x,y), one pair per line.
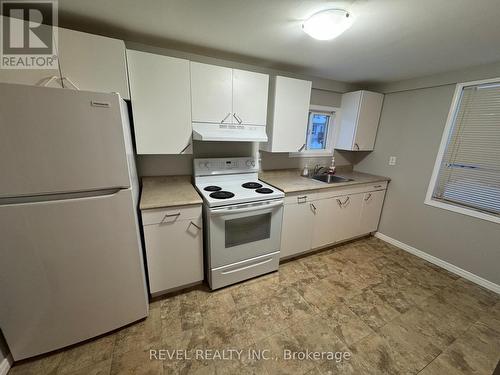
(250,91)
(370,213)
(92,62)
(174,253)
(359,120)
(368,118)
(348,120)
(296,230)
(160,91)
(345,217)
(211,93)
(290,111)
(34,77)
(324,219)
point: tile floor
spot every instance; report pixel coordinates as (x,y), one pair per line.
(394,313)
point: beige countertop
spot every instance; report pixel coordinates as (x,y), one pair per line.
(290,180)
(168,191)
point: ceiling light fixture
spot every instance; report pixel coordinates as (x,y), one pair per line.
(327,24)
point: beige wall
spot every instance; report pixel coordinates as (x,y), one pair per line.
(411,127)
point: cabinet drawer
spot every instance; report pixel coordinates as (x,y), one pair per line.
(300,198)
(171,214)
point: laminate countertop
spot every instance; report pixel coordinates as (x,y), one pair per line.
(290,180)
(168,191)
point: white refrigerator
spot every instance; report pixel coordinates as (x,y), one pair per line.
(71,264)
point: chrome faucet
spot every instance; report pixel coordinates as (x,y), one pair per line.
(317,168)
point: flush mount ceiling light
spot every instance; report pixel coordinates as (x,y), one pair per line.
(327,24)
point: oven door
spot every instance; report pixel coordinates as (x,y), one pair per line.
(244,231)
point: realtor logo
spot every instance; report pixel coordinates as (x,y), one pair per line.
(29,37)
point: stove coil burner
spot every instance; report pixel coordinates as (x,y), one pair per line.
(222,195)
(264,191)
(251,185)
(212,188)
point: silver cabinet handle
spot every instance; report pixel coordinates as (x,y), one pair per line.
(70,82)
(225,118)
(302,147)
(302,199)
(176,215)
(48,80)
(368,197)
(313,207)
(237,118)
(185,148)
(344,203)
(195,225)
(377,186)
(356,147)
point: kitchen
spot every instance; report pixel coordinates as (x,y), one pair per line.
(162,198)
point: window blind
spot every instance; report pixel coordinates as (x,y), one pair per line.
(469,173)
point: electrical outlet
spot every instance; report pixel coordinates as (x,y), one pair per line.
(392,160)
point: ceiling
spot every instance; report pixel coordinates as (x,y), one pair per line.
(390,40)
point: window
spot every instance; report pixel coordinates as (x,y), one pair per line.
(466,175)
(317,131)
(319,137)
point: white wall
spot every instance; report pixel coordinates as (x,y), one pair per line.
(411,127)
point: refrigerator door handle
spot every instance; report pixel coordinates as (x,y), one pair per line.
(58,197)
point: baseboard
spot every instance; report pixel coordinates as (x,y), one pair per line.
(441,263)
(5,365)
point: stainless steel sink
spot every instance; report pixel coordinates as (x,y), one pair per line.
(331,179)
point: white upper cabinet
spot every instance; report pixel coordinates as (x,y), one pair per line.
(287,115)
(160,92)
(359,120)
(211,93)
(33,77)
(228,96)
(250,92)
(92,62)
(86,61)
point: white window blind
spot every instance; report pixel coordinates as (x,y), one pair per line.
(469,173)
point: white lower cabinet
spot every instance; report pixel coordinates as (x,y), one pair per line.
(346,216)
(317,220)
(371,210)
(324,230)
(297,228)
(174,247)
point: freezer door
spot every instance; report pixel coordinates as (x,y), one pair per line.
(59,140)
(69,270)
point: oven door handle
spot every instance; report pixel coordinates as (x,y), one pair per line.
(259,207)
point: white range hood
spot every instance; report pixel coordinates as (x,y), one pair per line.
(229,132)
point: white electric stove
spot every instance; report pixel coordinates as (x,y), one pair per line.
(243,218)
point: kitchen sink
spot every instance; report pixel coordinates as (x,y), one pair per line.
(331,179)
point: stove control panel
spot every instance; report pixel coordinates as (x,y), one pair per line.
(225,166)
